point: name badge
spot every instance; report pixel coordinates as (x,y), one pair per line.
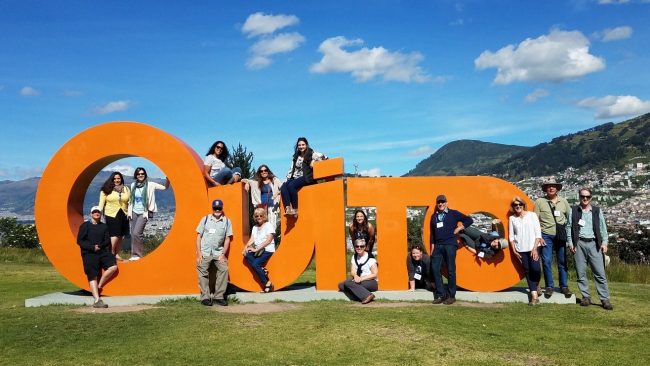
(212,231)
(556,213)
(417,276)
(439,225)
(481,254)
(581,222)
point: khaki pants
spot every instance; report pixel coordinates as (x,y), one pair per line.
(211,265)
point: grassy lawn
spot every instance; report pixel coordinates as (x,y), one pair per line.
(317,333)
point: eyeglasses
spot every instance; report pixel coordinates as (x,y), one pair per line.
(359,246)
(441,202)
(585,197)
(220,147)
(96,211)
(140,174)
(258,216)
(263,170)
(517,205)
(217,208)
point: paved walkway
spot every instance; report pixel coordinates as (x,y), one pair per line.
(295,294)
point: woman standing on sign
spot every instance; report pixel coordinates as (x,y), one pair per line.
(260,247)
(142,205)
(360,228)
(525,234)
(300,174)
(265,192)
(114,202)
(364,275)
(215,170)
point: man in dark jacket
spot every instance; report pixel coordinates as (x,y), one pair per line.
(96,254)
(444,227)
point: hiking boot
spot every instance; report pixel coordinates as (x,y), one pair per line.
(585,301)
(449,300)
(607,305)
(566,292)
(548,292)
(438,300)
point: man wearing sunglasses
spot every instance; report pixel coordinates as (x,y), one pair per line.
(213,236)
(587,240)
(444,227)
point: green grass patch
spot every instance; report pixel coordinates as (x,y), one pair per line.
(318,333)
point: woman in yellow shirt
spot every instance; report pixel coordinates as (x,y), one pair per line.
(114,202)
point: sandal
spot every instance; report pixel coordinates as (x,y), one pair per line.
(268,288)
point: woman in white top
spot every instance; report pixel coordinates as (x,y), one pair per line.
(215,170)
(364,275)
(301,173)
(142,205)
(260,247)
(265,192)
(525,235)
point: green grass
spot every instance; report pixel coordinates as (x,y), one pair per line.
(317,333)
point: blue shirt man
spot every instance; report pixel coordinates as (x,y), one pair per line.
(444,227)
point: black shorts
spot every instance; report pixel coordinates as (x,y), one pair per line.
(118,225)
(104,259)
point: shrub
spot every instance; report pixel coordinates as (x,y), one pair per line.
(17,235)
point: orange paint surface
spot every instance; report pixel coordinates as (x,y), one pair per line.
(320,228)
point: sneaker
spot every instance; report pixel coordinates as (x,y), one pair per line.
(206,302)
(288,211)
(585,301)
(221,302)
(607,305)
(368,299)
(134,258)
(99,304)
(566,292)
(449,300)
(438,300)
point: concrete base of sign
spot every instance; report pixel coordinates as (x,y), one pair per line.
(296,294)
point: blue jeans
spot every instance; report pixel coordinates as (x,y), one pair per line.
(289,191)
(225,175)
(257,263)
(546,252)
(448,254)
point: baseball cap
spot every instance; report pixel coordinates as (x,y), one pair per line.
(95,208)
(442,198)
(217,203)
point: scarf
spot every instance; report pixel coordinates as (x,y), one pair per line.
(143,185)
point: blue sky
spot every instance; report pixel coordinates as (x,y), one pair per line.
(381,83)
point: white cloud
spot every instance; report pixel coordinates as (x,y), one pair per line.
(262,50)
(260,23)
(374,172)
(558,56)
(72,93)
(616,106)
(614,34)
(536,94)
(422,150)
(110,107)
(367,63)
(28,91)
(124,169)
(613,2)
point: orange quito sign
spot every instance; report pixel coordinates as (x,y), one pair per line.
(320,229)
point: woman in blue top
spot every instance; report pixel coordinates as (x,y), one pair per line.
(265,192)
(300,174)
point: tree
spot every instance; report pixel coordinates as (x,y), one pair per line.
(240,157)
(17,235)
(633,246)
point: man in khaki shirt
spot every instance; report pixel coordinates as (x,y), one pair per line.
(553,210)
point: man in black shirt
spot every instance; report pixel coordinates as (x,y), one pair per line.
(96,254)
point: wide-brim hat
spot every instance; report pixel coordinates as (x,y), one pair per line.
(551,182)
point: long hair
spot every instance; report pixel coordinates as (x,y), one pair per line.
(224,152)
(108,186)
(296,153)
(258,176)
(364,225)
(135,173)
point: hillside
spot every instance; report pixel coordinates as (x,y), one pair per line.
(606,146)
(465,157)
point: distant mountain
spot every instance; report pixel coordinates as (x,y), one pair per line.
(17,197)
(606,146)
(465,157)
